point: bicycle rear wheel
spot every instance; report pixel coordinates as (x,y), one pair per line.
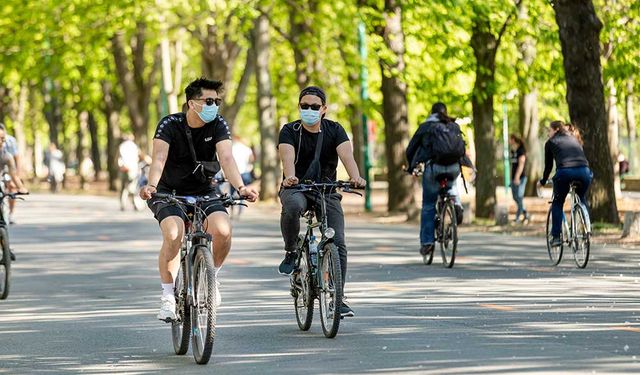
(203,311)
(181,329)
(5,263)
(303,299)
(581,242)
(449,240)
(555,252)
(330,291)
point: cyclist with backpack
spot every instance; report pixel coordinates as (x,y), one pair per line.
(439,144)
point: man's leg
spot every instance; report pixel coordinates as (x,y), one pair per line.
(172,228)
(219,226)
(123,190)
(294,203)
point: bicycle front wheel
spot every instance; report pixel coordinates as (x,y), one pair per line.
(330,291)
(5,263)
(581,242)
(555,252)
(181,329)
(449,239)
(203,311)
(303,300)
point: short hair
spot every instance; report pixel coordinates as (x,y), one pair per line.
(194,89)
(2,126)
(315,91)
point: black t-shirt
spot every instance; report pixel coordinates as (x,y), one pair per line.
(177,173)
(304,144)
(514,161)
(565,150)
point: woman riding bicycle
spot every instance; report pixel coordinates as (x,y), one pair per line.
(565,147)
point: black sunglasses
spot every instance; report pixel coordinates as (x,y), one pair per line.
(315,107)
(210,101)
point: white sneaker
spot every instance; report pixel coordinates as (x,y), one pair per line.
(167,311)
(218,296)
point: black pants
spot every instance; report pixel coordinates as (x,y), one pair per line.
(295,203)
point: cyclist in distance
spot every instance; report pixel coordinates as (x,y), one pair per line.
(174,167)
(7,161)
(565,147)
(11,147)
(297,149)
(438,143)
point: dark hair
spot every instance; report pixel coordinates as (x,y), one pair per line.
(440,110)
(2,127)
(313,90)
(194,89)
(519,141)
(566,128)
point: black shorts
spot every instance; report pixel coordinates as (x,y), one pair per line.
(163,210)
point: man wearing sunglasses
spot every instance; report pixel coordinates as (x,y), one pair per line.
(297,148)
(175,168)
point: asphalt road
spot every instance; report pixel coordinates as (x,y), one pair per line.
(85,292)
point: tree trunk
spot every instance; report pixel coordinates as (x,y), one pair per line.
(394,107)
(231,111)
(170,82)
(530,126)
(111,113)
(136,84)
(18,125)
(613,126)
(269,161)
(484,45)
(95,147)
(579,29)
(631,128)
(301,34)
(83,119)
(52,109)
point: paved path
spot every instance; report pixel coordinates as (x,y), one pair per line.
(86,291)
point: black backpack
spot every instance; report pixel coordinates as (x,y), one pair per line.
(446,143)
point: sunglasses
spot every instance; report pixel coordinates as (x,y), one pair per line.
(210,101)
(314,107)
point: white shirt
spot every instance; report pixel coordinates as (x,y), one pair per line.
(242,155)
(128,156)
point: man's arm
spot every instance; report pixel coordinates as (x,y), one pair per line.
(288,157)
(158,159)
(13,172)
(230,169)
(345,152)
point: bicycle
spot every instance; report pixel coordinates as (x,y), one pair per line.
(446,224)
(318,274)
(195,285)
(576,234)
(5,253)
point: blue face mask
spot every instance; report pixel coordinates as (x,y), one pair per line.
(309,116)
(208,113)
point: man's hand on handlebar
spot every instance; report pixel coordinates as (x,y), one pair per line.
(358,182)
(23,191)
(248,193)
(147,192)
(290,181)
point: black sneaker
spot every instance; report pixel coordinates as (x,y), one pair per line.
(459,213)
(288,263)
(13,256)
(346,311)
(555,241)
(426,249)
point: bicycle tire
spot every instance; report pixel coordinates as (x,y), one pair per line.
(181,330)
(581,243)
(554,252)
(330,290)
(5,263)
(303,301)
(204,309)
(449,240)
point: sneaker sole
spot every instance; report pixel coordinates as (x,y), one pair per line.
(347,315)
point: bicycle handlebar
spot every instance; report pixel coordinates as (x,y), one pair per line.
(12,195)
(345,186)
(225,199)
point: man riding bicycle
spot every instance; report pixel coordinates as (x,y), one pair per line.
(297,149)
(184,153)
(7,161)
(438,143)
